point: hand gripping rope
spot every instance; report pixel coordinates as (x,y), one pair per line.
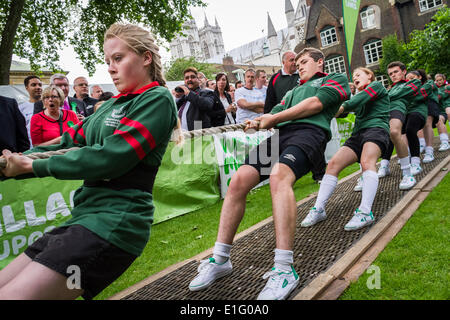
(186,135)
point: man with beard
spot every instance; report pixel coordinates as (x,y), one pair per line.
(194,104)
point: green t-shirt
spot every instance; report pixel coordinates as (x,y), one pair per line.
(125,131)
(331,90)
(444,97)
(419,103)
(371,107)
(402,93)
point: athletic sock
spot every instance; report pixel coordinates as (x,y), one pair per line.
(415,160)
(429,149)
(369,190)
(284,259)
(327,187)
(443,137)
(405,166)
(221,252)
(422,141)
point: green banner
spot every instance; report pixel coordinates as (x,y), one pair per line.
(187,179)
(28,209)
(345,127)
(350,10)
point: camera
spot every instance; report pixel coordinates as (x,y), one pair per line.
(179,90)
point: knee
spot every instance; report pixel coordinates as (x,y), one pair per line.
(239,184)
(281,177)
(332,167)
(395,133)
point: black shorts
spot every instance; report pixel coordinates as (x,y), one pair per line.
(433,111)
(395,114)
(99,262)
(418,120)
(356,142)
(300,146)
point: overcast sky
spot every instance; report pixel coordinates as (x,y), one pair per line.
(241,21)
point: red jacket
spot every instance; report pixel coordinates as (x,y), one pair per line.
(44,128)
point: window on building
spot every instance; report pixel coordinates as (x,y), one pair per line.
(335,64)
(180,51)
(206,50)
(429,4)
(217,47)
(368,18)
(383,80)
(266,49)
(328,36)
(191,46)
(373,51)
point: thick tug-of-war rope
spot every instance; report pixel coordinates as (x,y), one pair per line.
(186,135)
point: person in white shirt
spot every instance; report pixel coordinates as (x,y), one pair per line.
(33,85)
(250,102)
(261,80)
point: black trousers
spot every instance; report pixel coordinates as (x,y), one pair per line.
(414,122)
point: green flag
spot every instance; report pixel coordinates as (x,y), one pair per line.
(350,13)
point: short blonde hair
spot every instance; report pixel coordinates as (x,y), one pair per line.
(140,41)
(49,90)
(368,72)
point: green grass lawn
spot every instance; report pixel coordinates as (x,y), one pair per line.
(414,265)
(183,237)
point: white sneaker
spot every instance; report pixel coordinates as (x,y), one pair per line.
(314,216)
(407,182)
(209,271)
(444,146)
(383,171)
(416,169)
(428,157)
(359,220)
(359,185)
(279,285)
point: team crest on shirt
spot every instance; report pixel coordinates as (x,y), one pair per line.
(114,118)
(317,83)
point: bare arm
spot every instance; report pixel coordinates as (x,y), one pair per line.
(304,109)
(252,106)
(56,140)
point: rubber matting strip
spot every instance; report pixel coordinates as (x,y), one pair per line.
(315,249)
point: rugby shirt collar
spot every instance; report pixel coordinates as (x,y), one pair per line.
(401,81)
(317,75)
(141,90)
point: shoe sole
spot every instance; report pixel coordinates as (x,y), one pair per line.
(407,188)
(206,285)
(286,295)
(360,227)
(306,225)
(382,176)
(357,189)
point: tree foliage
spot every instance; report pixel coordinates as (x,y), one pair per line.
(175,68)
(48,25)
(393,50)
(430,48)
